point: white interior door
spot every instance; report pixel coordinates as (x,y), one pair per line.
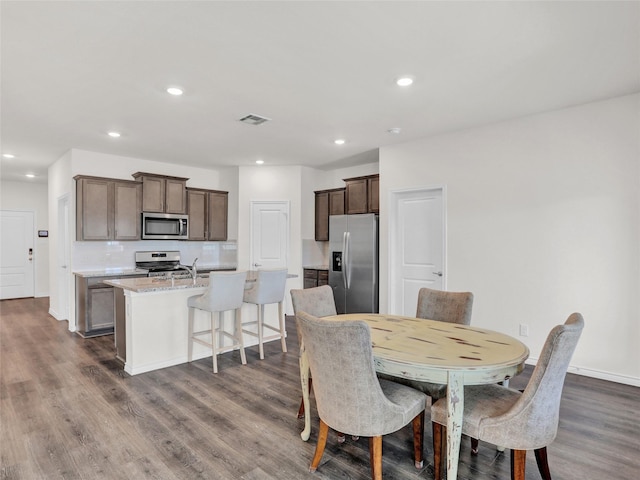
(269,234)
(417,247)
(16,254)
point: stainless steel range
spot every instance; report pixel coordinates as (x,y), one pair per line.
(159,263)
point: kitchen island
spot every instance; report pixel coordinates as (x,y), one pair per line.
(154,332)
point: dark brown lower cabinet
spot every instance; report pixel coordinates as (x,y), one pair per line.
(315,277)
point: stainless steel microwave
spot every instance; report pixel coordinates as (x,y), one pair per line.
(164,226)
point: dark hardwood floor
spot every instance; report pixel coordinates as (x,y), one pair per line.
(69,411)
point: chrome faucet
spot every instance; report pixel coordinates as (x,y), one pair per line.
(193,271)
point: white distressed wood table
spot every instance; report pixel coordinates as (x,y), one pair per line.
(436,352)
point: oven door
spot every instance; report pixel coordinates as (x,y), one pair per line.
(164,226)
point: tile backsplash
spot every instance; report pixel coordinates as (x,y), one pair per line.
(314,253)
(121,255)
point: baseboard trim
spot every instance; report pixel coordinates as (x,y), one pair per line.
(599,374)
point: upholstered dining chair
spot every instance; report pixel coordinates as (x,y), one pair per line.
(451,307)
(268,288)
(340,357)
(520,421)
(316,301)
(225,292)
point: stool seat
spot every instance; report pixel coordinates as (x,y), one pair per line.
(268,288)
(225,292)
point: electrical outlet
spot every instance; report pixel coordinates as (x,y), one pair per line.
(524,330)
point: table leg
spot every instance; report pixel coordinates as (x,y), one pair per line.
(455,409)
(304,381)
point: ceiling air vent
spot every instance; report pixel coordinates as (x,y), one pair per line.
(252,119)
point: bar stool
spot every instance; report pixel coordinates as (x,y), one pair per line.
(225,292)
(268,288)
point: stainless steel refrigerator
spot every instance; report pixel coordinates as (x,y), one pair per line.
(353,257)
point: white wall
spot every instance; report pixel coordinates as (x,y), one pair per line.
(543,219)
(27,196)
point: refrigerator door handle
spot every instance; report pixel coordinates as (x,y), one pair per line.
(346,265)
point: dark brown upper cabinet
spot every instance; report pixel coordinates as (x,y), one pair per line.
(162,193)
(107,208)
(327,202)
(208,213)
(362,194)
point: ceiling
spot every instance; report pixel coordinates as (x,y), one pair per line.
(73,71)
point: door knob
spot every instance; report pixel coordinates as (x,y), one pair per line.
(257,264)
(438,273)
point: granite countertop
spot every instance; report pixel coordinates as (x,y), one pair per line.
(316,267)
(125,272)
(110,272)
(157,284)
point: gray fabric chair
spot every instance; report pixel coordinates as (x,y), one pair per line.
(268,288)
(520,421)
(225,292)
(317,301)
(341,360)
(452,307)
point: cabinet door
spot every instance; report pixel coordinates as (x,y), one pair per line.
(101,308)
(94,208)
(310,278)
(323,277)
(356,196)
(374,194)
(322,216)
(175,196)
(153,194)
(218,205)
(197,208)
(336,202)
(128,204)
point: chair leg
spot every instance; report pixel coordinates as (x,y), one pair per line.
(439,432)
(190,333)
(260,332)
(238,334)
(283,339)
(518,462)
(474,446)
(375,452)
(322,441)
(418,439)
(214,350)
(301,409)
(543,463)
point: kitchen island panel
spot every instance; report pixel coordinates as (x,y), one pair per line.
(156,322)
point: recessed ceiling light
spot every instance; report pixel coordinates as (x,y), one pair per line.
(404,81)
(30,175)
(394,130)
(114,134)
(175,91)
(8,155)
(339,141)
(259,162)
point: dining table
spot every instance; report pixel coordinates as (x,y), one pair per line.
(437,352)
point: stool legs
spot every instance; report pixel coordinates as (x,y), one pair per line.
(214,349)
(283,339)
(217,345)
(237,332)
(260,330)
